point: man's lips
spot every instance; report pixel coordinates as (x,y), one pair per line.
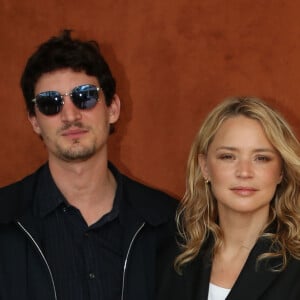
(76,132)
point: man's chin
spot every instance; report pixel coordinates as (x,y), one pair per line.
(73,155)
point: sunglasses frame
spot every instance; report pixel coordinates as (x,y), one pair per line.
(59,98)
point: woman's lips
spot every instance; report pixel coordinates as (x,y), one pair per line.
(244,191)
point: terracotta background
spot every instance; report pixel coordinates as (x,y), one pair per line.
(173,61)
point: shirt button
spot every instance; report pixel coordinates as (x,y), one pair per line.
(92,276)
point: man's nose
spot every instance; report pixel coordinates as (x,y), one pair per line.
(69,112)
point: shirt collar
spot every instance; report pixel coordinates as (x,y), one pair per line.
(48,196)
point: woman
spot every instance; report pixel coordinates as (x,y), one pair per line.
(239,220)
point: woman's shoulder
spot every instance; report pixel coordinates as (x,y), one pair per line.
(192,279)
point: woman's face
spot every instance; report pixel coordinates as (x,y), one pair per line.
(242,166)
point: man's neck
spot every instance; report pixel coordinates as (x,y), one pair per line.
(88,185)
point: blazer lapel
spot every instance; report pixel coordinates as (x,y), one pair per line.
(255,278)
(197,276)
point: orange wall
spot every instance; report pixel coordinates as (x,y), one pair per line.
(173,61)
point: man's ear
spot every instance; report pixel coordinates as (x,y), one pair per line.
(34,123)
(114,109)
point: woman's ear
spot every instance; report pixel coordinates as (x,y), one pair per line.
(202,160)
(280,177)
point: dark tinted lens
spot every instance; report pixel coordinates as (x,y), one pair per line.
(49,103)
(85,96)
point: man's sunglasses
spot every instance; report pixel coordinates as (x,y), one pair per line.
(83,96)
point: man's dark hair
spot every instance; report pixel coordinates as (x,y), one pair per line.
(61,52)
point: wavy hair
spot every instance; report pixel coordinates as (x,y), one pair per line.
(197,216)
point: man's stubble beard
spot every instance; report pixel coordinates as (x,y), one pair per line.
(75,152)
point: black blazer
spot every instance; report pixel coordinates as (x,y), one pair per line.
(255,282)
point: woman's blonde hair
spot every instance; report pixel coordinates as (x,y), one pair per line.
(197,216)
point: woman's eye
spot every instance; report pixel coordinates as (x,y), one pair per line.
(263,158)
(226,156)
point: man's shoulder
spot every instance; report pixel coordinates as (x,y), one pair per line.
(15,197)
(147,193)
(25,183)
(153,204)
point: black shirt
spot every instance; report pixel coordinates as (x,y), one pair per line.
(86,261)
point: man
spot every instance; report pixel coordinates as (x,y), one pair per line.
(78,229)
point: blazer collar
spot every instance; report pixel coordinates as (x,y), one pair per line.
(253,280)
(255,277)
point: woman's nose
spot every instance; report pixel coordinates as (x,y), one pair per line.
(244,168)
